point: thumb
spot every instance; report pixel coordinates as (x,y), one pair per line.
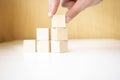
(53,6)
(75,10)
(78,7)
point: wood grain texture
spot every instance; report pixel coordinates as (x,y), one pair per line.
(20,18)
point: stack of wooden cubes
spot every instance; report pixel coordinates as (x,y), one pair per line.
(50,40)
(43,39)
(59,34)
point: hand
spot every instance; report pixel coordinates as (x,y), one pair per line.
(74,7)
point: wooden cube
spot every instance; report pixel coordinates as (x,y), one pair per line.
(59,34)
(58,21)
(43,46)
(29,45)
(59,46)
(43,34)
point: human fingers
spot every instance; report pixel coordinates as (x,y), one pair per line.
(53,6)
(78,7)
(68,3)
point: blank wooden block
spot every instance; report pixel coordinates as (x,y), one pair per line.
(29,45)
(43,46)
(59,46)
(59,34)
(58,21)
(43,34)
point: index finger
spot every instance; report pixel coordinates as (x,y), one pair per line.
(53,6)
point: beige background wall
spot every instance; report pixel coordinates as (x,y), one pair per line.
(6,20)
(19,19)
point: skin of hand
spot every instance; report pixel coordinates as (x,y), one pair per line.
(74,7)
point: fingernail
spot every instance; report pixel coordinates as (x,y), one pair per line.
(50,14)
(68,19)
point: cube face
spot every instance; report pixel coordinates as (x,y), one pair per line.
(29,45)
(59,46)
(43,34)
(58,21)
(43,46)
(59,34)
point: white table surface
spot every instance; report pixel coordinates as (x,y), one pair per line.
(97,59)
